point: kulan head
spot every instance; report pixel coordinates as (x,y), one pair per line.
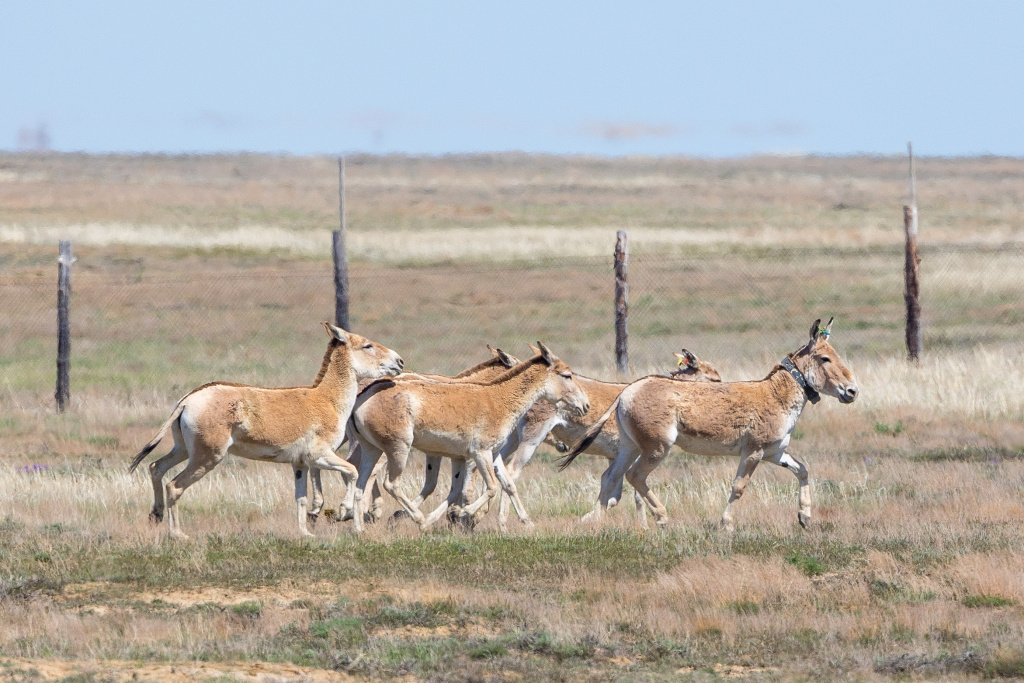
(689,368)
(822,367)
(560,385)
(369,359)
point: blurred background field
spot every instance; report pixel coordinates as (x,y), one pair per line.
(191,268)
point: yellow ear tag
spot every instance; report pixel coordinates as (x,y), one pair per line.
(681,360)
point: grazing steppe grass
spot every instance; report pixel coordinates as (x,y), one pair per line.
(194,269)
(908,566)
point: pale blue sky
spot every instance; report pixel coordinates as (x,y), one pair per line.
(710,79)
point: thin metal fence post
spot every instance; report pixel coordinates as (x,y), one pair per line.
(621,300)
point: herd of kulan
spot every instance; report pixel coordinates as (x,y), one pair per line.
(490,418)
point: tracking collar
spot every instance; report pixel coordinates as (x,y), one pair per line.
(809,391)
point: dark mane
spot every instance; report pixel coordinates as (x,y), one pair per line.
(517,369)
(334,343)
(489,363)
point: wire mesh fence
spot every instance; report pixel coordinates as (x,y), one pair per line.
(254,319)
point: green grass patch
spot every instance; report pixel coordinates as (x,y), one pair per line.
(482,559)
(992,454)
(429,615)
(103,441)
(985,600)
(744,607)
(487,649)
(885,590)
(1004,664)
(889,430)
(808,564)
(249,609)
(340,631)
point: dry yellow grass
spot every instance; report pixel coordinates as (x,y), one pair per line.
(500,242)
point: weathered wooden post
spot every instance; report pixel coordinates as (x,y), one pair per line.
(340,256)
(64,261)
(910,269)
(621,300)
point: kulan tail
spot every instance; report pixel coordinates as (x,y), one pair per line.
(589,437)
(159,435)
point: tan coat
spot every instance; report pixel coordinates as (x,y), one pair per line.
(298,426)
(545,422)
(752,420)
(455,420)
(481,372)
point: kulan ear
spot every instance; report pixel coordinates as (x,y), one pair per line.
(494,351)
(545,354)
(691,360)
(506,360)
(828,328)
(335,332)
(533,348)
(814,330)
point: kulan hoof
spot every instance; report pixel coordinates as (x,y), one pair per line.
(399,516)
(458,519)
(562,447)
(803,519)
(311,518)
(156,517)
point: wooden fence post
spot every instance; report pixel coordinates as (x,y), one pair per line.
(621,300)
(910,269)
(64,261)
(340,256)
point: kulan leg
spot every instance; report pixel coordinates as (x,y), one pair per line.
(355,458)
(461,492)
(367,466)
(355,455)
(193,472)
(637,475)
(786,460)
(532,435)
(433,468)
(508,485)
(301,477)
(455,495)
(397,455)
(748,463)
(157,470)
(641,509)
(485,465)
(327,459)
(316,503)
(611,480)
